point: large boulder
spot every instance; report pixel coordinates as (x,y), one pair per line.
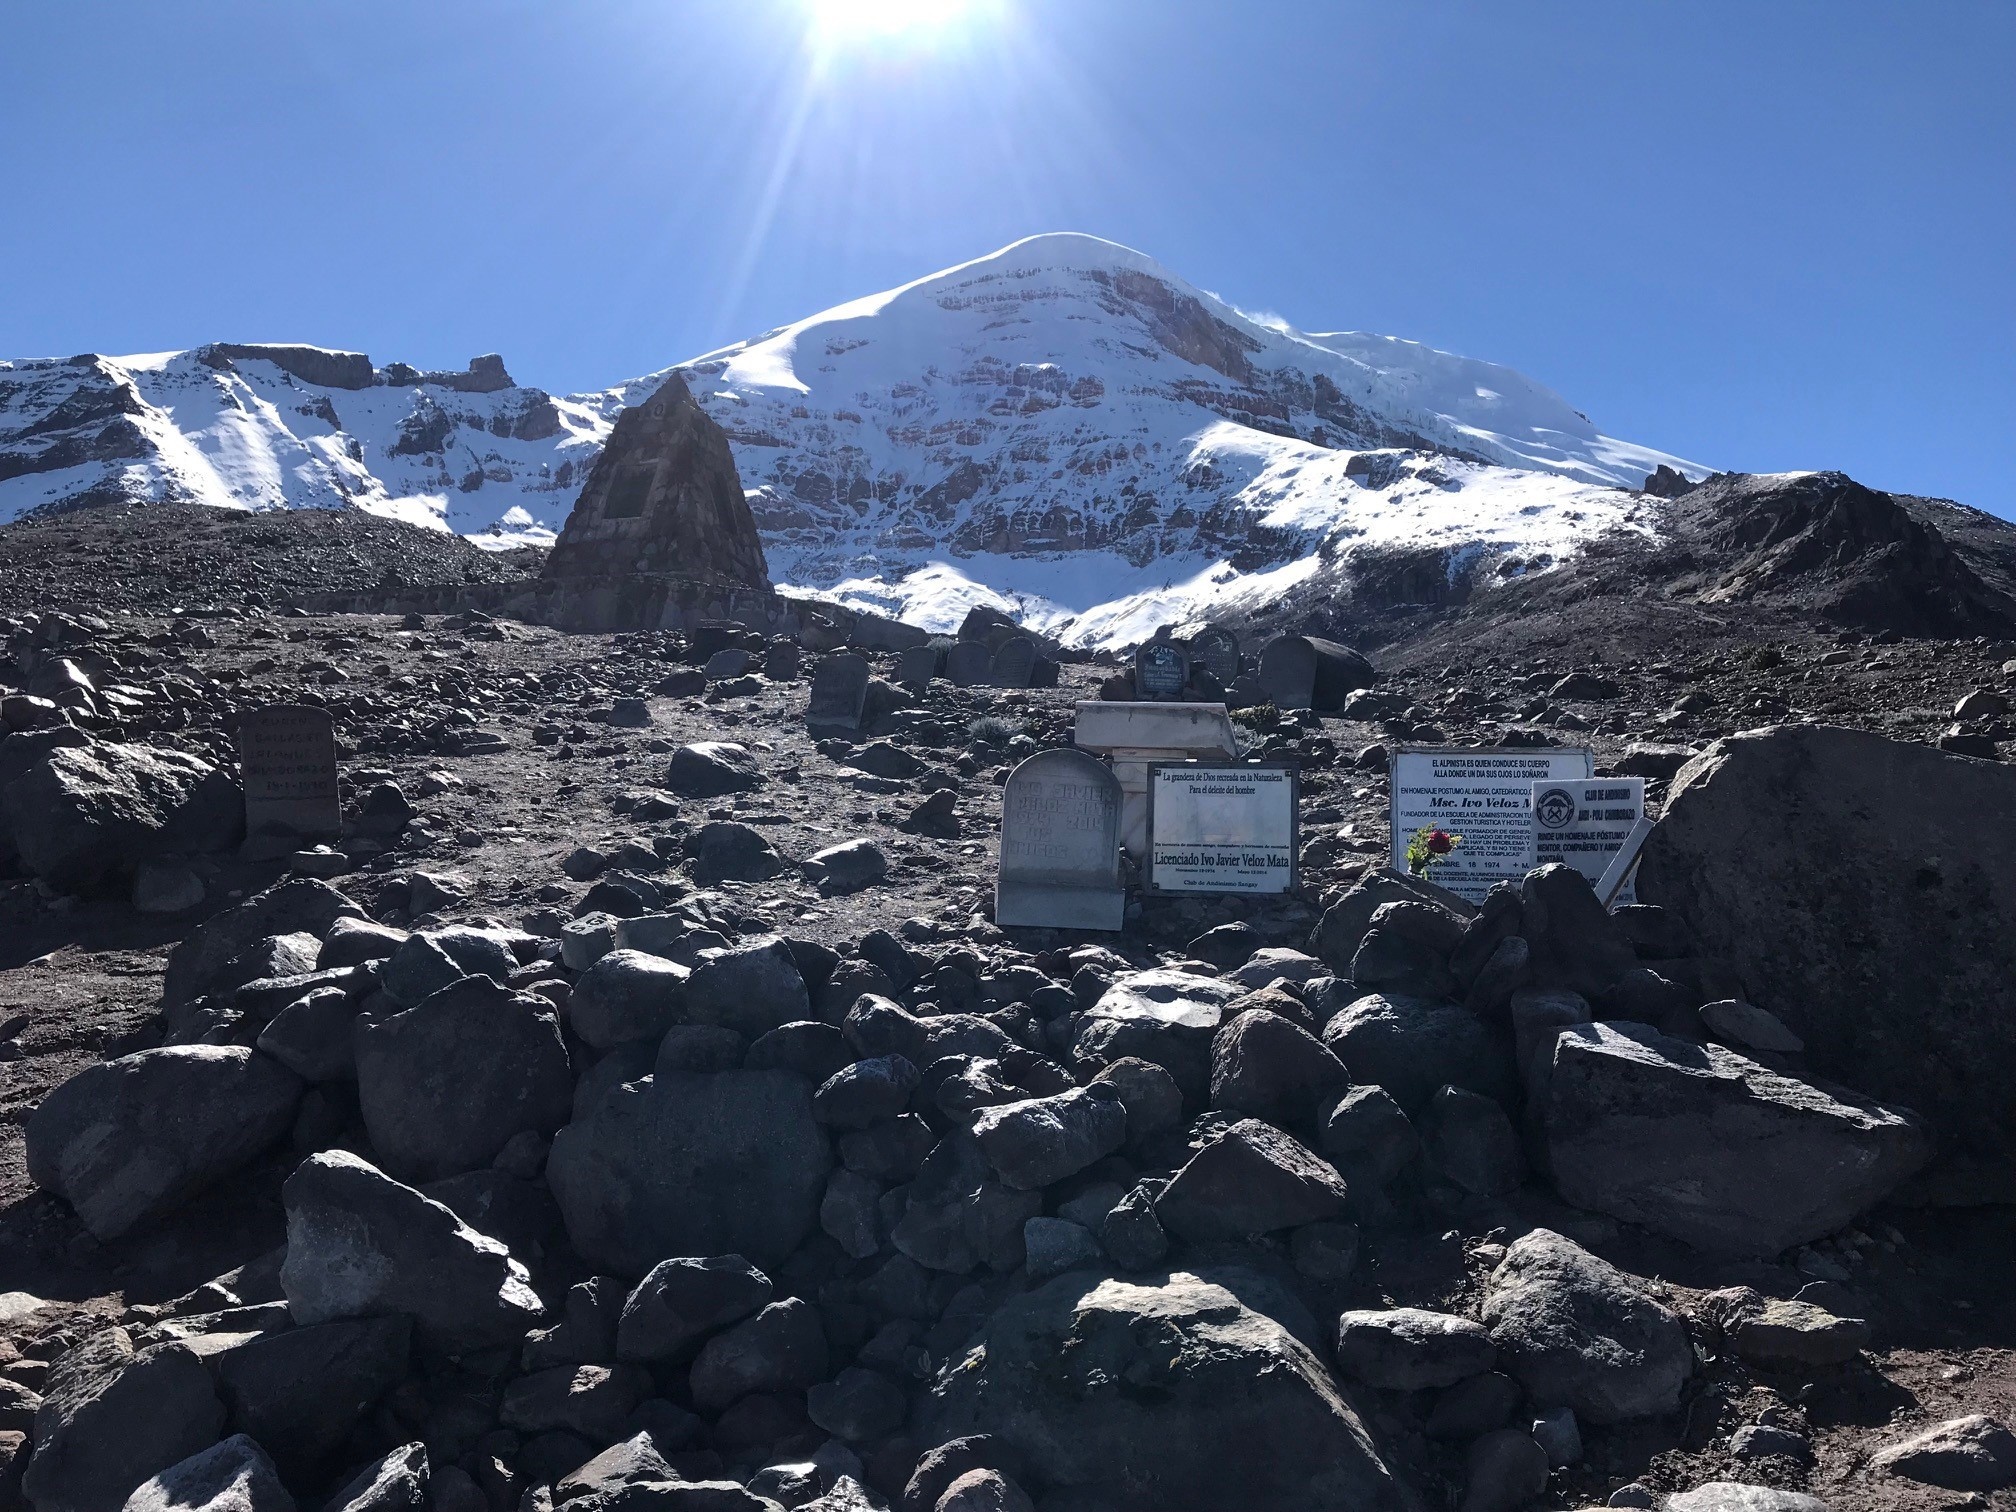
(1250,1179)
(627,996)
(300,1391)
(1697,1142)
(87,813)
(1167,1393)
(1165,1017)
(1267,1067)
(1036,1141)
(112,1417)
(1972,1453)
(128,1139)
(1413,1046)
(360,1245)
(232,1476)
(300,905)
(692,1163)
(1863,888)
(447,1083)
(751,987)
(683,1300)
(1577,1332)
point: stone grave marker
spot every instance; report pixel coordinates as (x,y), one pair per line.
(1216,650)
(781,661)
(1161,671)
(1060,845)
(287,753)
(1132,735)
(969,664)
(1302,672)
(919,665)
(839,692)
(1015,663)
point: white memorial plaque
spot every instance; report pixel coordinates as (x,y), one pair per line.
(1584,822)
(1222,827)
(1483,794)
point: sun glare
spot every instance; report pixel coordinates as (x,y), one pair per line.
(859,20)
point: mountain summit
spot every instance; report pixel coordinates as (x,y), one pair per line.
(1064,429)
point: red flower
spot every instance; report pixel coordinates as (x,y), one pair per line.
(1440,842)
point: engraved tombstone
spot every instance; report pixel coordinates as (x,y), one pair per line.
(1216,650)
(288,755)
(1060,845)
(839,692)
(1015,663)
(969,664)
(918,666)
(1161,671)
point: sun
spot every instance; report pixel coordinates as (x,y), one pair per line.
(860,20)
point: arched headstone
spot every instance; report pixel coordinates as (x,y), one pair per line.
(1060,845)
(969,664)
(287,753)
(1216,649)
(1015,663)
(1302,672)
(1161,671)
(918,666)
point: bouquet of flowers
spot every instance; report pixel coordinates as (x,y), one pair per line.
(1428,847)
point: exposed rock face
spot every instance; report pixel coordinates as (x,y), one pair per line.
(1803,855)
(1171,1393)
(661,528)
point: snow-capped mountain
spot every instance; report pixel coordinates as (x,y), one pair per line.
(1063,429)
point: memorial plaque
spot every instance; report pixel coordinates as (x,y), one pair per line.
(969,664)
(1483,794)
(918,666)
(1161,671)
(839,692)
(1584,822)
(287,753)
(1014,663)
(1060,845)
(1216,649)
(1222,827)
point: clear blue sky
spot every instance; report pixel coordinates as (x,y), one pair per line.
(1764,236)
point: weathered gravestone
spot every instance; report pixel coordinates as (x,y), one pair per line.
(1216,650)
(919,665)
(839,692)
(780,661)
(1161,671)
(1060,845)
(1015,663)
(1302,672)
(969,664)
(288,755)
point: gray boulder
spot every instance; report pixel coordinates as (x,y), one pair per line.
(1736,1496)
(360,1245)
(232,1476)
(1697,1142)
(1167,1393)
(1040,1140)
(315,1036)
(300,905)
(447,1083)
(129,1139)
(417,969)
(1264,1066)
(1471,1142)
(593,1401)
(1409,1349)
(713,769)
(1787,851)
(626,996)
(782,1348)
(866,1093)
(394,1482)
(300,1391)
(692,1163)
(84,814)
(752,988)
(111,1418)
(1250,1179)
(959,1215)
(684,1300)
(1412,1046)
(1971,1453)
(1165,1017)
(1577,1332)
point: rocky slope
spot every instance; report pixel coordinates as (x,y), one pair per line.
(1064,428)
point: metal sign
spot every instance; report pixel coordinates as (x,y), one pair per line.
(1584,822)
(1482,794)
(1223,827)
